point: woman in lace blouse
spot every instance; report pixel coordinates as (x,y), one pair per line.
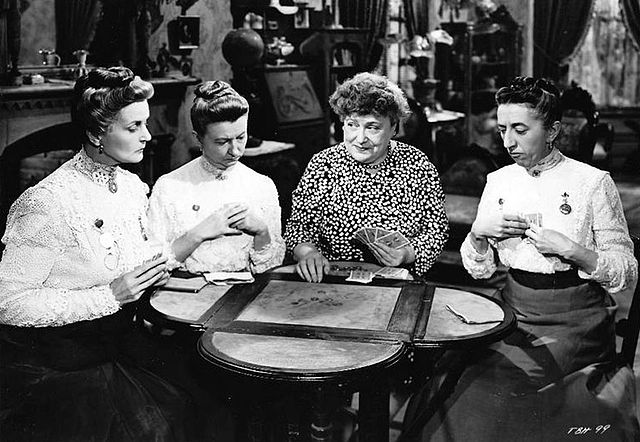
(558,225)
(77,258)
(218,214)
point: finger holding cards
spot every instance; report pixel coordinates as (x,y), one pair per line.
(390,256)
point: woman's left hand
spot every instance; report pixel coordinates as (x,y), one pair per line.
(549,242)
(248,222)
(391,257)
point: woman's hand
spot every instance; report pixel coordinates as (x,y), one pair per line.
(219,222)
(130,286)
(312,265)
(247,222)
(499,226)
(391,257)
(549,242)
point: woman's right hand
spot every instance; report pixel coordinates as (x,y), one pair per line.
(218,223)
(499,226)
(130,286)
(312,265)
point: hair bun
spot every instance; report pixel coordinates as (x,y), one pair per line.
(118,76)
(214,89)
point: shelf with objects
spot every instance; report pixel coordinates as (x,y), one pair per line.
(484,56)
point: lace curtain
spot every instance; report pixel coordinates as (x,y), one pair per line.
(608,63)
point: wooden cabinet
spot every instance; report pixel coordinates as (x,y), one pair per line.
(482,58)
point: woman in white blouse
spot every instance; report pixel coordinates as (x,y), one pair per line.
(558,225)
(77,258)
(218,214)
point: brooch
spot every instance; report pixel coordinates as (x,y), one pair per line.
(565,208)
(142,230)
(107,241)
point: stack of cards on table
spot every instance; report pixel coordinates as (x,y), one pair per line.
(361,276)
(371,235)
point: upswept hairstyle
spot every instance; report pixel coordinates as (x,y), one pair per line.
(216,101)
(99,95)
(539,94)
(367,93)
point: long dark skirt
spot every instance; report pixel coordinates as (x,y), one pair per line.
(88,381)
(553,379)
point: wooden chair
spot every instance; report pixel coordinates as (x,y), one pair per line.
(628,328)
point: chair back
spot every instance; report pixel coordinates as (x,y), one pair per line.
(629,327)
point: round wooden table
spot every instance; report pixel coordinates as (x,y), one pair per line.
(282,330)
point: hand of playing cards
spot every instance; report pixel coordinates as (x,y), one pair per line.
(371,235)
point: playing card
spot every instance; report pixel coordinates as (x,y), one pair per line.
(533,218)
(395,240)
(392,273)
(361,276)
(382,232)
(361,236)
(371,234)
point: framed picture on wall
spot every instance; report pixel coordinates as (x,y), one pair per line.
(292,95)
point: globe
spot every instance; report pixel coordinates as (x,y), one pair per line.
(242,47)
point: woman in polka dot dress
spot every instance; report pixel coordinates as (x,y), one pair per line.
(368,180)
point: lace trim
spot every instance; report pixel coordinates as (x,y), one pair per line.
(547,163)
(101,174)
(216,173)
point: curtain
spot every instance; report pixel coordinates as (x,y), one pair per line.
(559,28)
(368,14)
(76,22)
(417,15)
(608,63)
(631,17)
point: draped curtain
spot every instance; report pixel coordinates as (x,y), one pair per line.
(369,14)
(417,16)
(76,22)
(631,17)
(608,62)
(559,28)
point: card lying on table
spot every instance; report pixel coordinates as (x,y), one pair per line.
(224,278)
(192,285)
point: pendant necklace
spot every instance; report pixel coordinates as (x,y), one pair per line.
(565,208)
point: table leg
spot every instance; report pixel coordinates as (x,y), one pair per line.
(321,416)
(373,416)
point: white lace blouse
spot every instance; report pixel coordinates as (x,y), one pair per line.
(596,221)
(67,238)
(183,198)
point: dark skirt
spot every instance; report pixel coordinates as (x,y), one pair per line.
(88,381)
(552,379)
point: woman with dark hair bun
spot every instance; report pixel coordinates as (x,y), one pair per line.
(218,214)
(77,258)
(557,224)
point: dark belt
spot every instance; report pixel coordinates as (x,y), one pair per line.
(557,280)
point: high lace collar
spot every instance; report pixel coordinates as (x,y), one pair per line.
(99,173)
(547,163)
(215,172)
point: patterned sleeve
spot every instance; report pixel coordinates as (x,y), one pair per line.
(303,225)
(479,266)
(617,268)
(429,243)
(272,255)
(37,236)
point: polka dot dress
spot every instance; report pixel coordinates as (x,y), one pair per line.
(338,195)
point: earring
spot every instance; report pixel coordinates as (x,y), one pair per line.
(100,148)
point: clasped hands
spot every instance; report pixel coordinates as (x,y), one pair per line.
(231,219)
(502,226)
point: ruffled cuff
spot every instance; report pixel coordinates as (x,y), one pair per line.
(268,257)
(478,265)
(609,273)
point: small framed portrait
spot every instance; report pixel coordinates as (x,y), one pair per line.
(188,32)
(301,18)
(292,95)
